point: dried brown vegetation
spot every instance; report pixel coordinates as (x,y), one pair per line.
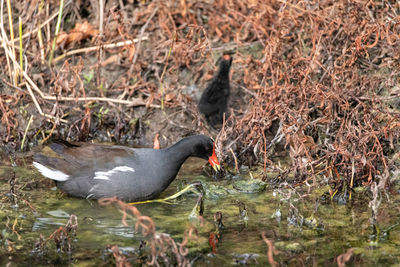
(163,249)
(321,77)
(61,236)
(328,77)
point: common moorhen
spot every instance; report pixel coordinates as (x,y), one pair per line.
(132,174)
(214,100)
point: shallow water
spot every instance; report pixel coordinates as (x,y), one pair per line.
(304,233)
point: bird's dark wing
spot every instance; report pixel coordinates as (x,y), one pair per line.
(71,158)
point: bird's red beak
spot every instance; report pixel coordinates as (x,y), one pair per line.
(213,160)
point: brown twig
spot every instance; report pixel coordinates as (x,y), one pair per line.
(345,257)
(271,250)
(142,30)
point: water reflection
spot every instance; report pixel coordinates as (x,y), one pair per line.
(245,216)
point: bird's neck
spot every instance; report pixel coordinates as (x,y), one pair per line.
(180,151)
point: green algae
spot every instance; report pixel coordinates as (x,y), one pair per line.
(249,186)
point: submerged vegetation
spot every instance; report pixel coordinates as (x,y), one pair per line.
(313,114)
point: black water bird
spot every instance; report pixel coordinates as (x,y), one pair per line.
(214,100)
(95,171)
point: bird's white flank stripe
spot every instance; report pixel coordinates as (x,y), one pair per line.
(49,173)
(123,169)
(101,175)
(106,175)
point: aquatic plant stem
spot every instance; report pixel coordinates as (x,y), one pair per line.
(101,17)
(12,39)
(353,170)
(236,161)
(30,82)
(167,199)
(45,23)
(26,131)
(21,51)
(4,40)
(53,47)
(39,33)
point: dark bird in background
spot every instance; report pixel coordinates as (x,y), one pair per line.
(214,100)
